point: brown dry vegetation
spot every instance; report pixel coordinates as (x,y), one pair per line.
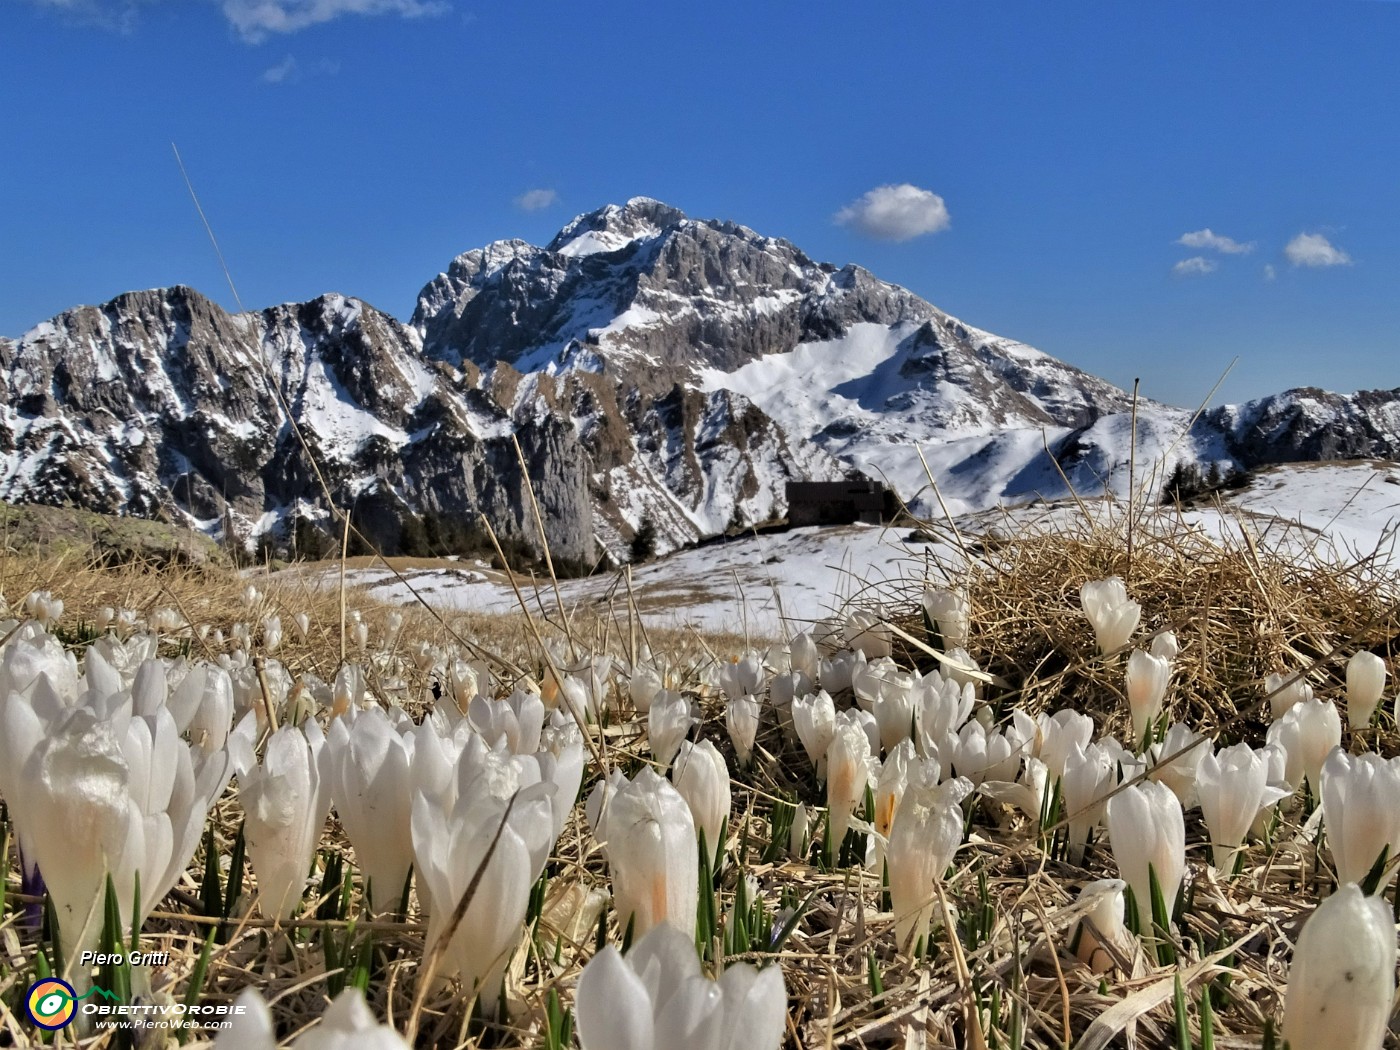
(1239,611)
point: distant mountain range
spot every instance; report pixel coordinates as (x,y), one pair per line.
(653,368)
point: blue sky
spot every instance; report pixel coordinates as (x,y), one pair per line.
(358,145)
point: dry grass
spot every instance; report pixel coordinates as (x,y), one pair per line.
(1240,612)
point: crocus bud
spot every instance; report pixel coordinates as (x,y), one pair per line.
(651,852)
(347,1023)
(1307,733)
(1090,774)
(1283,696)
(1365,683)
(1342,980)
(302,622)
(367,763)
(1361,810)
(1148,833)
(1112,614)
(1233,787)
(814,718)
(741,675)
(866,634)
(702,778)
(286,799)
(642,687)
(1165,645)
(741,719)
(951,610)
(1146,686)
(668,721)
(803,655)
(800,833)
(848,769)
(1102,924)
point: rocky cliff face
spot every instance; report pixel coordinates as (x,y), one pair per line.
(652,367)
(1310,424)
(160,404)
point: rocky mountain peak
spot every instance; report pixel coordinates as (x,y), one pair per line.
(614,227)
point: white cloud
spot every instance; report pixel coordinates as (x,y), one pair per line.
(119,16)
(536,200)
(1196,266)
(895,213)
(280,73)
(1269,272)
(255,19)
(1208,238)
(1313,249)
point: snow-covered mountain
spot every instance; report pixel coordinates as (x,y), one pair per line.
(653,368)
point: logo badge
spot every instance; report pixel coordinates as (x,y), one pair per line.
(51,1003)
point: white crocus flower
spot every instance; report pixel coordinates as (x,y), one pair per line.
(1146,685)
(1178,773)
(891,784)
(1307,732)
(951,610)
(702,779)
(367,764)
(1147,831)
(1113,615)
(285,798)
(867,634)
(518,720)
(272,633)
(741,720)
(928,827)
(1233,787)
(1058,734)
(1341,985)
(1090,774)
(668,722)
(649,837)
(500,799)
(814,718)
(1101,930)
(1361,811)
(1282,697)
(836,672)
(347,1024)
(1028,792)
(1365,684)
(1165,645)
(848,773)
(943,709)
(74,816)
(656,998)
(985,754)
(742,675)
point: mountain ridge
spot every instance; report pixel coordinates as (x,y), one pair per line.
(654,369)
